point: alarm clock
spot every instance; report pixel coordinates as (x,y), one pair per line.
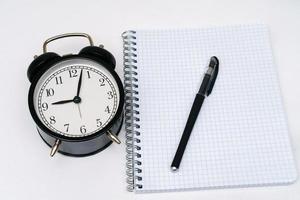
(76,100)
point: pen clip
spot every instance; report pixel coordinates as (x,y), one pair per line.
(215,62)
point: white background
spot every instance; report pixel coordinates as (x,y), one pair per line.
(27,171)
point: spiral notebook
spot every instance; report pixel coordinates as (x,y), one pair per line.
(241,135)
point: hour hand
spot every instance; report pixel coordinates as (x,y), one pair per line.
(63,102)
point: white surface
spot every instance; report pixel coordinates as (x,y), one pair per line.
(26,170)
(241,136)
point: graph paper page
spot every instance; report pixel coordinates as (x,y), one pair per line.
(240,137)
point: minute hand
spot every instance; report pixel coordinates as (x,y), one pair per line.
(79,84)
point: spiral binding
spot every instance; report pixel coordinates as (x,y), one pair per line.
(131,112)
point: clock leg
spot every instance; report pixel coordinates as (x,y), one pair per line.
(55,147)
(113,137)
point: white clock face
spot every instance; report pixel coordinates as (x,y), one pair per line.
(76,97)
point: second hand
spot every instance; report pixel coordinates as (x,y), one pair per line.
(79,110)
(78,91)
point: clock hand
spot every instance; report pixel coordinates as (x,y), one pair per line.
(79,83)
(76,100)
(63,102)
(79,110)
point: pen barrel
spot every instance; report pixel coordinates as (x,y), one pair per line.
(199,99)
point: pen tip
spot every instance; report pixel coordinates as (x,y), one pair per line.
(213,61)
(174,169)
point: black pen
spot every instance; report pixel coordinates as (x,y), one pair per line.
(205,90)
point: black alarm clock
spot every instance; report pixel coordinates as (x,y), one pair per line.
(76,100)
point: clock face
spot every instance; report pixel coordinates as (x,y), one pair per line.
(76,97)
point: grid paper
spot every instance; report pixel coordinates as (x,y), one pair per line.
(241,134)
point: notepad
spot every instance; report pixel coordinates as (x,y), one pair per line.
(240,138)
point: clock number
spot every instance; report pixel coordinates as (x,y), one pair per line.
(73,73)
(52,120)
(82,129)
(58,80)
(107,109)
(101,80)
(44,106)
(88,74)
(110,95)
(99,123)
(49,92)
(67,127)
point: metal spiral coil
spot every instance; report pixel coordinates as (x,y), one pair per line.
(133,171)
